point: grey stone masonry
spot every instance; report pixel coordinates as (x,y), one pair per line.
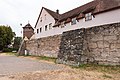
(98,44)
(71,48)
(47,46)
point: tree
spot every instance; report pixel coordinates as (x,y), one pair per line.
(6,36)
(17,42)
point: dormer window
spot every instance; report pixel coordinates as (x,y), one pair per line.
(50,26)
(73,21)
(63,24)
(88,16)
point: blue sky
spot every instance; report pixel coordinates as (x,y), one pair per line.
(14,12)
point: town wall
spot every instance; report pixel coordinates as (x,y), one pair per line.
(98,44)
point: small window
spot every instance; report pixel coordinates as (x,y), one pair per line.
(45,16)
(40,30)
(46,28)
(41,19)
(63,24)
(50,26)
(88,16)
(37,31)
(73,21)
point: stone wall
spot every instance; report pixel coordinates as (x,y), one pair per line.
(99,44)
(21,50)
(47,46)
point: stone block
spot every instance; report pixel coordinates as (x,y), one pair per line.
(106,44)
(92,45)
(112,46)
(110,38)
(111,31)
(118,45)
(105,55)
(115,46)
(100,44)
(96,37)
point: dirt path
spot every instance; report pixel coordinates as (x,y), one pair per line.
(13,64)
(30,69)
(64,74)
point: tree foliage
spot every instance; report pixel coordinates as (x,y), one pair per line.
(17,42)
(6,36)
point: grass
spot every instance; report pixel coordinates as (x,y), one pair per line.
(107,76)
(101,68)
(10,53)
(46,58)
(51,59)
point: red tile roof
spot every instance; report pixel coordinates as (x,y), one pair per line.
(96,6)
(55,15)
(76,11)
(28,26)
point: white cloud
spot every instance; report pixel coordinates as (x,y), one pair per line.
(14,12)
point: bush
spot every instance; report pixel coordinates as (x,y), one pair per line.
(9,49)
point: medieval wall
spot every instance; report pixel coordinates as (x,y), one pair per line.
(99,44)
(47,46)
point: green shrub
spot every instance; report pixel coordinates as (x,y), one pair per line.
(7,50)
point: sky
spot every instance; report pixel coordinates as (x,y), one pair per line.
(16,12)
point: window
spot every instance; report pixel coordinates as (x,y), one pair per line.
(50,26)
(40,30)
(73,21)
(46,28)
(41,19)
(37,31)
(88,16)
(45,16)
(63,24)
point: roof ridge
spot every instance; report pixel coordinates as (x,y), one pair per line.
(76,8)
(49,9)
(52,13)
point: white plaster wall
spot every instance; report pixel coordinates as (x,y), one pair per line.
(49,19)
(100,19)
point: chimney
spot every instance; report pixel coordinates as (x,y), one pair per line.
(57,11)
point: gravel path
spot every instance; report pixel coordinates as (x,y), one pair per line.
(18,68)
(12,64)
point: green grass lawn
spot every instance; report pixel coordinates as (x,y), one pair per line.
(47,58)
(100,68)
